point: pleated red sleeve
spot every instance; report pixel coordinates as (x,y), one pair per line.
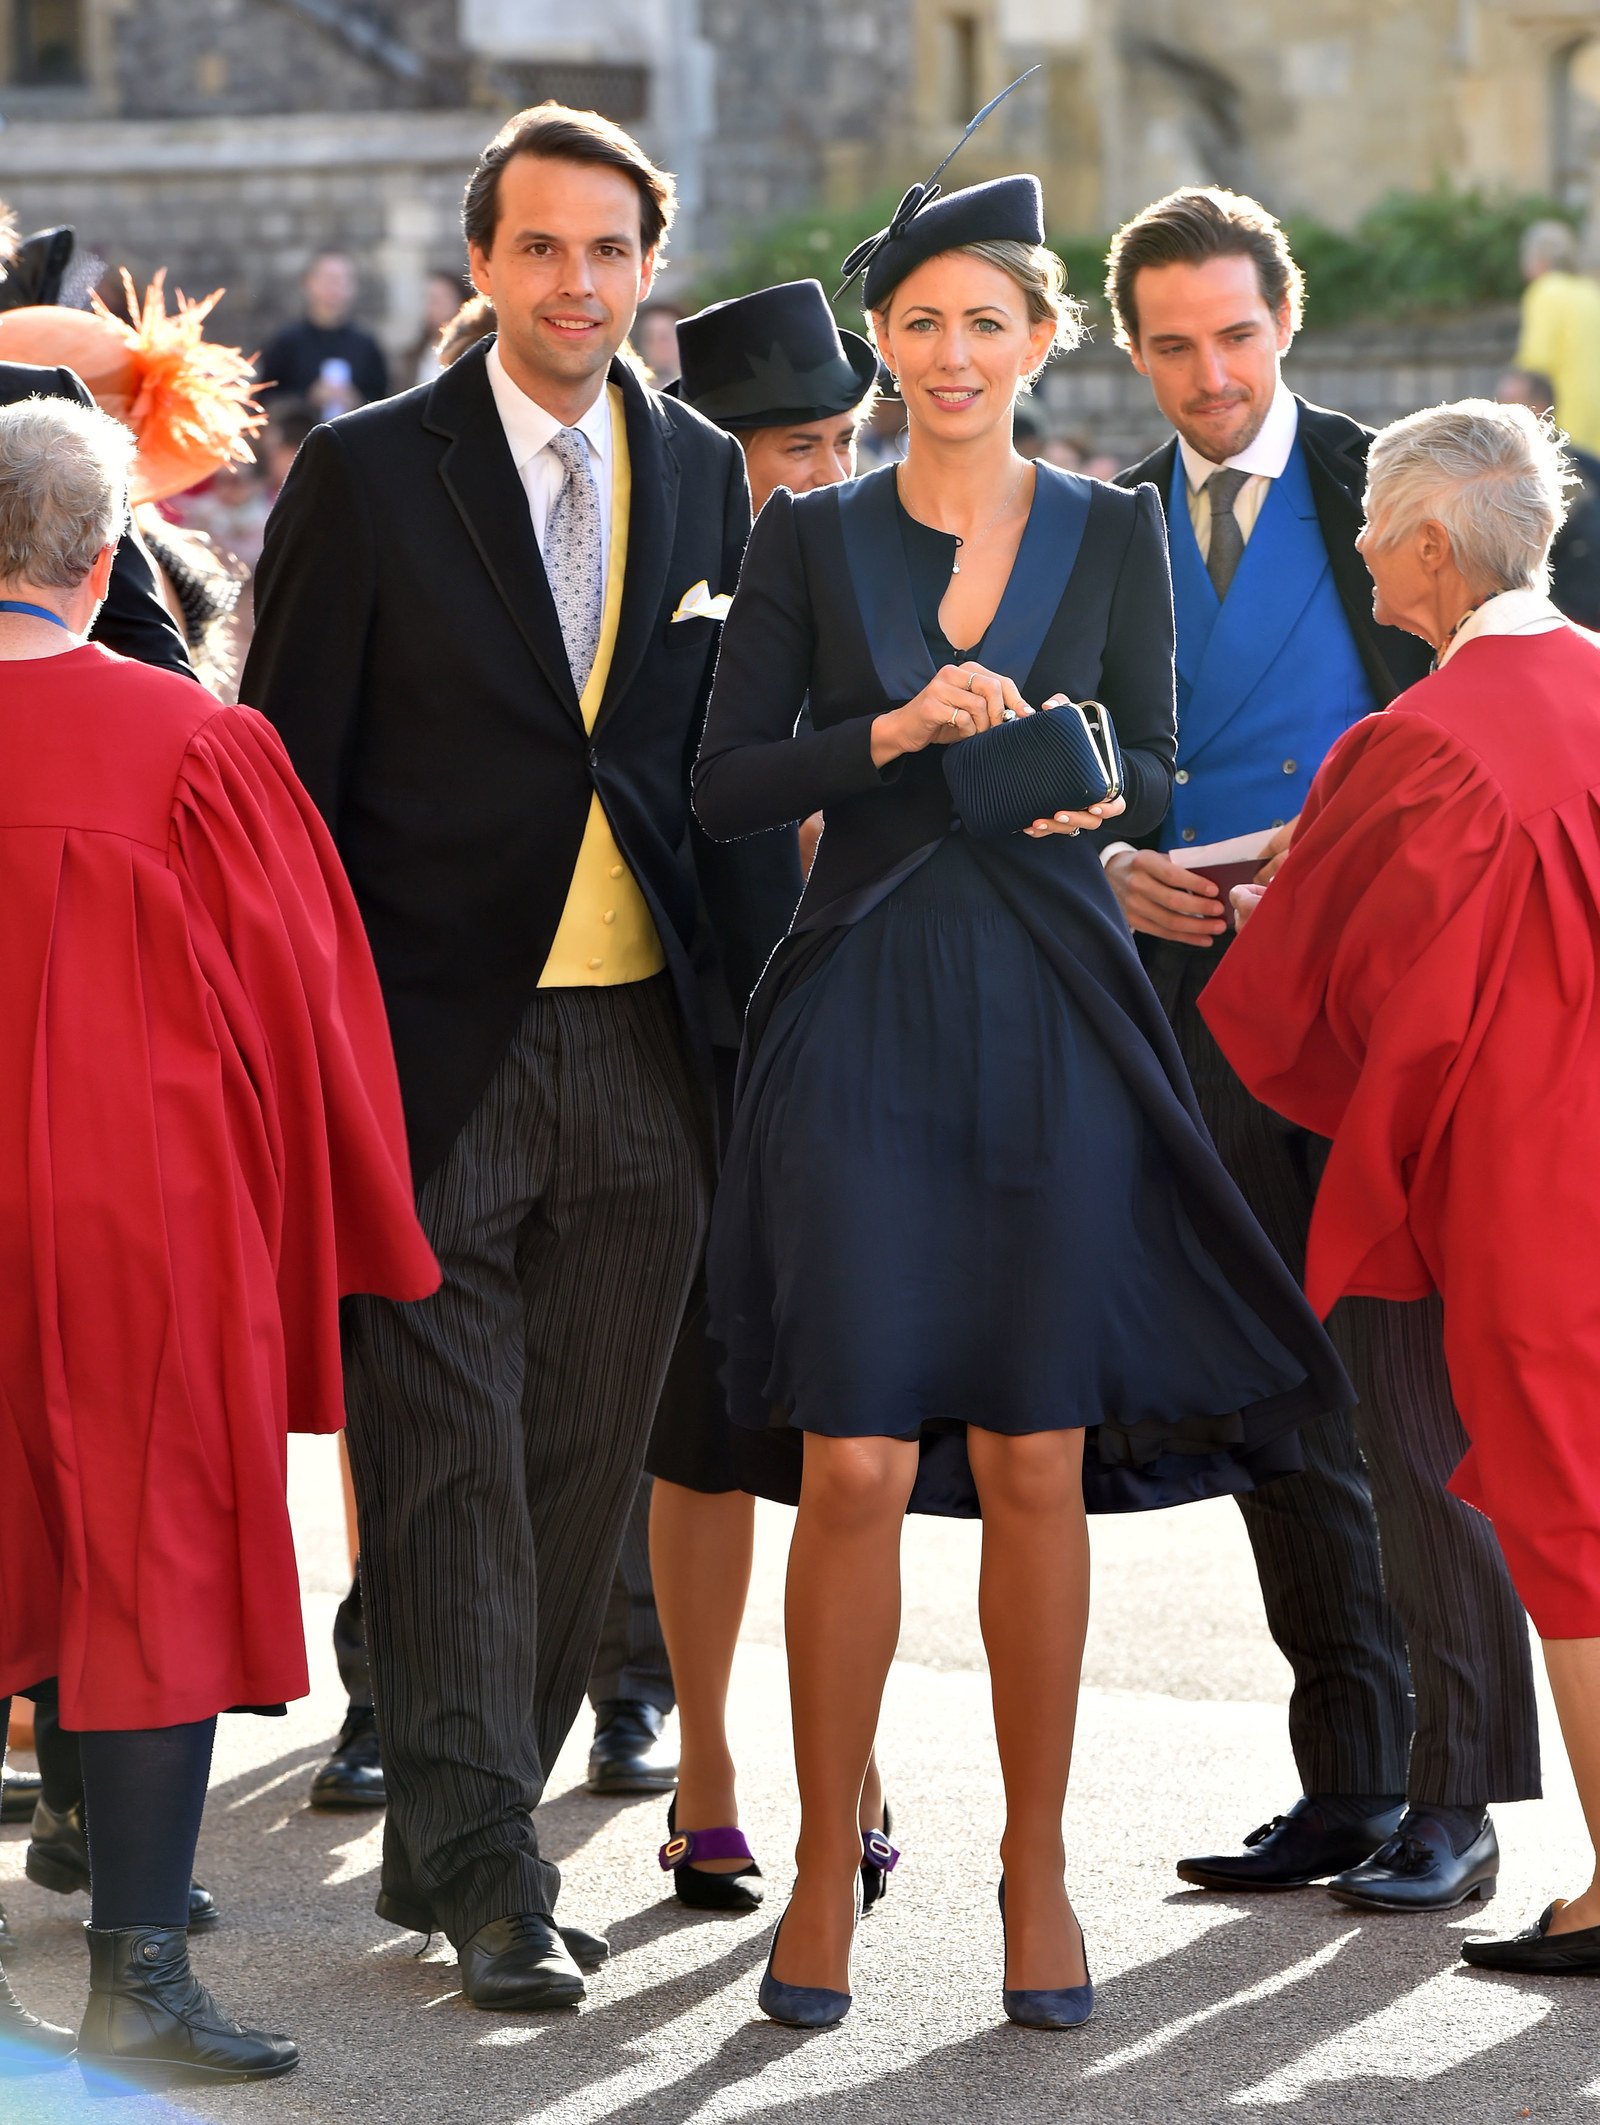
(316,1100)
(1356,997)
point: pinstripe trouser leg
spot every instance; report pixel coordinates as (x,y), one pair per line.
(1376,1581)
(631,1658)
(1477,1734)
(497,1429)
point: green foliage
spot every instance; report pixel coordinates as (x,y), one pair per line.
(1413,254)
(1417,253)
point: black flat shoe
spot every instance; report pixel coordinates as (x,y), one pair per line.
(878,1861)
(1418,1869)
(352,1777)
(1537,1952)
(58,1859)
(520,1964)
(1292,1851)
(19,1794)
(628,1754)
(695,1886)
(409,1908)
(28,2045)
(150,2021)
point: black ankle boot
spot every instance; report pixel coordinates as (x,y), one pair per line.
(28,2045)
(58,1858)
(150,2019)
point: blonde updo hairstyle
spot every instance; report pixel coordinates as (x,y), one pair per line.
(1040,275)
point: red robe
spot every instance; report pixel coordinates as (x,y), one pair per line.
(1420,984)
(201,1149)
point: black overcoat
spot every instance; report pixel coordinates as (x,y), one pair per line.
(408,649)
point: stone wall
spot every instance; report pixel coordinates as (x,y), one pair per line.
(245,203)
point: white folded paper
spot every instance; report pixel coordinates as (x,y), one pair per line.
(1243,848)
(697,603)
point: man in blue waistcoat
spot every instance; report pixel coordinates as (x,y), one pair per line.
(1413,1702)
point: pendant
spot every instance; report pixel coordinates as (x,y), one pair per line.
(955,568)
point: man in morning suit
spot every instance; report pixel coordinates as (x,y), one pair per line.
(1413,1700)
(476,634)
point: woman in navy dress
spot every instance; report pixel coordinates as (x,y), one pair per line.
(971,1239)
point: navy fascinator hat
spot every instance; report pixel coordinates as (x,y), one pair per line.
(1006,210)
(1009,209)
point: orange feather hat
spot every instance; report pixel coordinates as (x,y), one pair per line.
(186,399)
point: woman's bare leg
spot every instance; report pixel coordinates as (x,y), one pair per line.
(841,1621)
(1573,1665)
(1033,1603)
(700,1549)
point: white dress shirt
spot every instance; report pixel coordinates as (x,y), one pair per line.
(1512,612)
(528,431)
(1263,460)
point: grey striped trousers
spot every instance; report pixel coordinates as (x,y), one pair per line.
(1388,1597)
(498,1429)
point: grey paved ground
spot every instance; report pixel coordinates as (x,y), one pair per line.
(1274,2009)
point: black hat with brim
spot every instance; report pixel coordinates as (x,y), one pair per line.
(1006,210)
(772,360)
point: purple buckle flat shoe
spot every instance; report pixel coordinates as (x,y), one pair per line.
(692,1885)
(878,1861)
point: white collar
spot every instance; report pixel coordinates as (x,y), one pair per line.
(529,428)
(1511,612)
(1265,457)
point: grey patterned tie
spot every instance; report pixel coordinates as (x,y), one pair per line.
(572,554)
(1226,550)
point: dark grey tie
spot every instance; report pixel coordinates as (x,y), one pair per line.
(1226,550)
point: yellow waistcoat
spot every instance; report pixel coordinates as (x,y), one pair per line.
(606,934)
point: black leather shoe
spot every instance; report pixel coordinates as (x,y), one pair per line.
(1538,1952)
(150,2021)
(19,1794)
(409,1908)
(1294,1850)
(352,1777)
(58,1859)
(520,1963)
(1418,1869)
(28,2045)
(628,1754)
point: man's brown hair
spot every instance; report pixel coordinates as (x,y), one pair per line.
(1187,228)
(551,130)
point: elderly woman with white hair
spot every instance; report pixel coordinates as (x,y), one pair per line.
(1421,982)
(201,1151)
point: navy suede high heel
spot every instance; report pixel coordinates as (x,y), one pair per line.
(803,2006)
(1067,2007)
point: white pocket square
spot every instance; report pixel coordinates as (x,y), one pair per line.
(697,603)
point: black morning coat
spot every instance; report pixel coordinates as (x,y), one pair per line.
(825,607)
(408,650)
(134,620)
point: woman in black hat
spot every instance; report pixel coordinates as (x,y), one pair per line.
(972,1238)
(774,369)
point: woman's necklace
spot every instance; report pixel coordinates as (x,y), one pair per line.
(962,544)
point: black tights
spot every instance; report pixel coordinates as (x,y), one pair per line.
(144,1793)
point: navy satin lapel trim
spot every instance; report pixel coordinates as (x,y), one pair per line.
(1194,595)
(882,584)
(1284,562)
(1039,575)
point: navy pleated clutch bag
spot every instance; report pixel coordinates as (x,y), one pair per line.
(1063,758)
